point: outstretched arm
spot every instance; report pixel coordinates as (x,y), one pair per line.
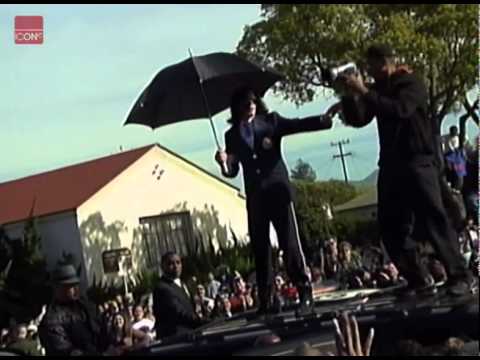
(286,126)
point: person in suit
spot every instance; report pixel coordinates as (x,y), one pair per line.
(254,141)
(172,306)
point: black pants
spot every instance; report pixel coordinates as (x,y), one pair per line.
(274,205)
(409,195)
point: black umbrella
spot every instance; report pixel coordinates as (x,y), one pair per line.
(198,87)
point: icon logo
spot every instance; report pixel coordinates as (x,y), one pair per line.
(28,29)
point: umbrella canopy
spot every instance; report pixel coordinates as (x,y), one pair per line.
(198,87)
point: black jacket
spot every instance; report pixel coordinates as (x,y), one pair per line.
(68,328)
(400,106)
(263,165)
(173,309)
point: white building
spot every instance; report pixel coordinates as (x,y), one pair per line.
(148,200)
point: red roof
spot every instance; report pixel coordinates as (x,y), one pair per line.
(62,189)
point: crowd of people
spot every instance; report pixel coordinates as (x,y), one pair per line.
(124,323)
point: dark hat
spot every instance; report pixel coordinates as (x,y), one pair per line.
(380,51)
(65,275)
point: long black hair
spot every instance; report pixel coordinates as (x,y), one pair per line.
(239,98)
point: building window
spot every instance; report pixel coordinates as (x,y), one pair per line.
(166,232)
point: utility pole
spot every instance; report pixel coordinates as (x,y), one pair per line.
(342,155)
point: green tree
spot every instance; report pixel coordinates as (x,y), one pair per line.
(303,171)
(26,287)
(440,41)
(311,201)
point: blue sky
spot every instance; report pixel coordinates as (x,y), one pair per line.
(65,101)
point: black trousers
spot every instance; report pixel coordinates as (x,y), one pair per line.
(274,205)
(409,196)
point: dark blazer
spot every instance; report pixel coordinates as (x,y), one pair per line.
(400,107)
(72,327)
(173,309)
(263,165)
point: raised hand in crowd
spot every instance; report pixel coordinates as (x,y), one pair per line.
(347,337)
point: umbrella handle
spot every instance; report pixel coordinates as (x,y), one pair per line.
(225,168)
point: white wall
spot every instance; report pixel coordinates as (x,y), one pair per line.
(112,215)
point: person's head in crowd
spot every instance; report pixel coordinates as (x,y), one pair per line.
(113,307)
(211,277)
(316,275)
(331,246)
(345,252)
(118,321)
(470,223)
(66,284)
(106,306)
(218,302)
(278,282)
(238,285)
(380,61)
(172,265)
(391,271)
(121,325)
(138,313)
(227,305)
(201,291)
(100,309)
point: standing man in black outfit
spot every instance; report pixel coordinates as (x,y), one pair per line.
(409,192)
(70,326)
(254,140)
(172,306)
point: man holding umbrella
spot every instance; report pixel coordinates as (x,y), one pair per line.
(203,86)
(254,140)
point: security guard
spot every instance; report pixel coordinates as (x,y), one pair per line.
(409,193)
(254,140)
